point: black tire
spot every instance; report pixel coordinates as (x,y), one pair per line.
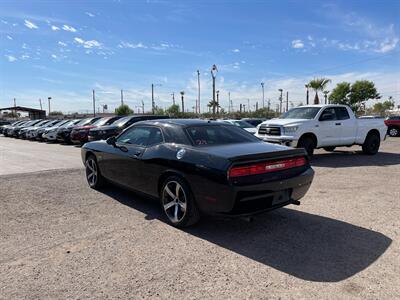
(177,203)
(308,144)
(371,144)
(393,131)
(93,174)
(330,149)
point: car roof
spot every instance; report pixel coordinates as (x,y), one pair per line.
(177,122)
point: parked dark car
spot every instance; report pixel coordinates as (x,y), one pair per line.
(104,132)
(79,135)
(3,124)
(393,124)
(15,130)
(64,133)
(197,166)
(254,121)
(7,128)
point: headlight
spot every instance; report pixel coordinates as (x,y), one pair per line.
(290,129)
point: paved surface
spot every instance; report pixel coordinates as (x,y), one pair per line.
(60,239)
(21,156)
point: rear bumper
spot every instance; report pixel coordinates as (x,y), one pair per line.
(252,199)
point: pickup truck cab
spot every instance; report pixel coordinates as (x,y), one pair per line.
(323,126)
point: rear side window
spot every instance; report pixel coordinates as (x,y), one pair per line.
(342,113)
(219,135)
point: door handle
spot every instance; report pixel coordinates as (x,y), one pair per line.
(136,154)
(338,123)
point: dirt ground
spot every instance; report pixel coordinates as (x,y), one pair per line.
(61,239)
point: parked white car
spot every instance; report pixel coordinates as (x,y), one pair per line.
(242,124)
(323,126)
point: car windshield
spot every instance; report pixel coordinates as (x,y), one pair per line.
(301,113)
(101,122)
(242,124)
(219,135)
(121,122)
(84,122)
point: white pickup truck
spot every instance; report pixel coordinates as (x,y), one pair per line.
(323,126)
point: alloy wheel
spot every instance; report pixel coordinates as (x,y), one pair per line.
(91,171)
(393,132)
(174,201)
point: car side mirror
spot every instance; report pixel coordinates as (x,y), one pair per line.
(111,141)
(326,117)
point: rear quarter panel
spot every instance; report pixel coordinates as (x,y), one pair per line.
(364,126)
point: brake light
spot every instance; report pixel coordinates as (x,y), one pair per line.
(267,167)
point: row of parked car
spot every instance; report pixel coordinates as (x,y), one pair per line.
(76,131)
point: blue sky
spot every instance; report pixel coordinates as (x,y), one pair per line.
(64,49)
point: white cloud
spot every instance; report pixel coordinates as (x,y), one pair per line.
(54,56)
(62,44)
(130,45)
(88,44)
(9,37)
(68,28)
(30,25)
(54,28)
(387,45)
(297,44)
(25,56)
(11,58)
(90,14)
(236,50)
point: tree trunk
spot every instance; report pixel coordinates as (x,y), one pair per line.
(316,99)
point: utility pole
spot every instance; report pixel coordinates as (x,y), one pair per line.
(94,104)
(173,98)
(183,101)
(240,107)
(256,105)
(49,98)
(122,97)
(198,108)
(307,93)
(263,98)
(152,98)
(142,107)
(287,101)
(280,101)
(269,104)
(40,102)
(248,104)
(214,71)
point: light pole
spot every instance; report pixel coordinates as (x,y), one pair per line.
(122,97)
(214,71)
(326,96)
(40,102)
(307,93)
(173,98)
(280,100)
(217,102)
(248,104)
(263,99)
(287,101)
(183,101)
(94,104)
(198,110)
(48,99)
(153,105)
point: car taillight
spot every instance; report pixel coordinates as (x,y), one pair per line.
(267,167)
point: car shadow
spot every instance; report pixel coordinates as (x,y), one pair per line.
(346,159)
(304,245)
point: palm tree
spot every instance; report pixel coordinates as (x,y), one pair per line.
(325,95)
(318,84)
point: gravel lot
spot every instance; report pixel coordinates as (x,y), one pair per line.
(60,239)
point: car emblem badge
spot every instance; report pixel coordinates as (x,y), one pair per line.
(180,153)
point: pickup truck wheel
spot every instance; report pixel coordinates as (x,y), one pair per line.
(329,149)
(393,131)
(308,144)
(371,144)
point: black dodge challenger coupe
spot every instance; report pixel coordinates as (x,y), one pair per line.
(197,166)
